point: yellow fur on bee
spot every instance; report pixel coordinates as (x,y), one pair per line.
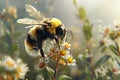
(55,22)
(32,31)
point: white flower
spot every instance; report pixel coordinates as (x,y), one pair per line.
(115,67)
(64,53)
(70,60)
(102,70)
(80,56)
(104,29)
(66,45)
(21,69)
(108,41)
(9,64)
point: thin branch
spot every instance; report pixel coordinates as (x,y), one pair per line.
(56,68)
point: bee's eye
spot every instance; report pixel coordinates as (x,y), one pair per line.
(60,32)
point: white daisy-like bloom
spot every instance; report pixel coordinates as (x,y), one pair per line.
(80,56)
(107,41)
(115,67)
(101,70)
(104,29)
(66,45)
(21,69)
(8,63)
(70,60)
(64,53)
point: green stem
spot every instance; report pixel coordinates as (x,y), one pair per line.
(92,73)
(56,68)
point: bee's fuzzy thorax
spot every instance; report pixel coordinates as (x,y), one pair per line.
(55,22)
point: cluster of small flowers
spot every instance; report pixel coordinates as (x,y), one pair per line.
(61,55)
(12,69)
(109,35)
(64,55)
(109,69)
(104,35)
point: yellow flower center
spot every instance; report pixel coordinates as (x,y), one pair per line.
(54,57)
(61,61)
(52,49)
(42,65)
(70,60)
(19,70)
(67,45)
(114,69)
(10,64)
(106,30)
(63,52)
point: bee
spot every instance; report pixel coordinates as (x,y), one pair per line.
(41,29)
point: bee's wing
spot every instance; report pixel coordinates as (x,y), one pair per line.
(33,12)
(27,21)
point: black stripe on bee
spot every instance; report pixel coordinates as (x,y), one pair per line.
(31,40)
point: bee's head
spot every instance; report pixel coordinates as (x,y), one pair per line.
(56,27)
(59,27)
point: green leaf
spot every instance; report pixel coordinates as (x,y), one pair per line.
(103,48)
(75,3)
(87,30)
(64,77)
(82,13)
(114,49)
(50,70)
(101,61)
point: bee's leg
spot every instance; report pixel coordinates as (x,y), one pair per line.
(39,43)
(57,41)
(42,53)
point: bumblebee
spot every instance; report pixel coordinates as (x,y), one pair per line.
(42,29)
